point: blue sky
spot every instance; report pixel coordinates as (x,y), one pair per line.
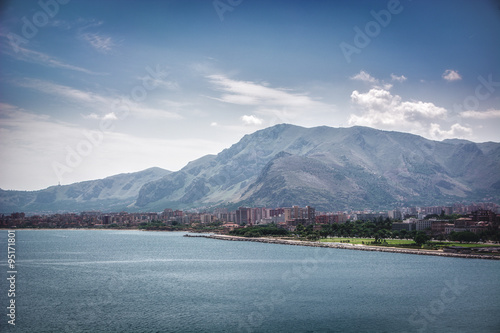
(89,89)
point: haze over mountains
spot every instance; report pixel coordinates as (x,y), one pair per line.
(284,165)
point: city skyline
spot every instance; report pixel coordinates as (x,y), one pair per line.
(129,85)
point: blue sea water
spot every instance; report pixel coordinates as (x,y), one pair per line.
(137,281)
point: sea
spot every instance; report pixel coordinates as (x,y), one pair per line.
(141,281)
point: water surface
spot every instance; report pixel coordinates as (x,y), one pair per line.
(136,281)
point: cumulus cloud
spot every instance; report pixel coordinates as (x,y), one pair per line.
(451,75)
(381,109)
(401,78)
(490,114)
(456,131)
(365,77)
(251,120)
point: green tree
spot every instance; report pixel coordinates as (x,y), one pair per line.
(421,238)
(464,236)
(300,230)
(402,234)
(314,236)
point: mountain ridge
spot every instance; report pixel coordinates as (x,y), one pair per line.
(330,168)
(117,191)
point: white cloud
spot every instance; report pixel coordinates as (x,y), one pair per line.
(456,131)
(30,139)
(251,120)
(490,114)
(419,110)
(107,116)
(250,93)
(401,78)
(92,116)
(99,42)
(451,75)
(40,58)
(64,91)
(381,109)
(99,102)
(276,105)
(365,77)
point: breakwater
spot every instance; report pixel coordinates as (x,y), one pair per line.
(347,246)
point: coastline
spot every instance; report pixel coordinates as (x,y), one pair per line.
(346,246)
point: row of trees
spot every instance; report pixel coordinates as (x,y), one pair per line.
(377,230)
(380,229)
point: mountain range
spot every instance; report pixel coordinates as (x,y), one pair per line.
(284,165)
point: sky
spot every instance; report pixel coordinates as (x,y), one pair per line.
(90,89)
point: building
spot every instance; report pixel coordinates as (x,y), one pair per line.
(395,214)
(324,219)
(370,216)
(421,225)
(440,227)
(106,219)
(243,215)
(331,219)
(398,226)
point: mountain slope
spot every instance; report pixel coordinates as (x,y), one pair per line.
(332,168)
(111,193)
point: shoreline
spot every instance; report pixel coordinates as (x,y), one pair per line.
(346,246)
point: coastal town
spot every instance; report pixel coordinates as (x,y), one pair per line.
(435,221)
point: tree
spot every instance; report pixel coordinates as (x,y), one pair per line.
(252,233)
(314,236)
(300,230)
(464,236)
(402,234)
(421,238)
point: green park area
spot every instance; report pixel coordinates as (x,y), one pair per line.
(374,234)
(403,243)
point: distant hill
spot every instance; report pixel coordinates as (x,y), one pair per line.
(284,165)
(113,193)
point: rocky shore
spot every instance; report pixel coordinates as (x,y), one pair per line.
(347,246)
